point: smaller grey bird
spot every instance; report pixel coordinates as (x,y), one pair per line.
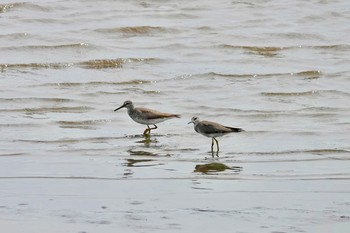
(212,129)
(146,116)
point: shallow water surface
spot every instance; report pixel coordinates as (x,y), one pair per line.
(277,69)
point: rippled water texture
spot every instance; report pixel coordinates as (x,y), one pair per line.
(277,69)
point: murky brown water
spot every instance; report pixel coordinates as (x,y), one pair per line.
(278,69)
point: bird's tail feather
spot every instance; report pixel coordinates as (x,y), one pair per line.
(236,129)
(176,115)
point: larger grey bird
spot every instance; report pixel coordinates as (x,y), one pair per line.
(146,116)
(212,129)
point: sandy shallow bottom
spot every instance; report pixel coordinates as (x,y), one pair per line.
(149,193)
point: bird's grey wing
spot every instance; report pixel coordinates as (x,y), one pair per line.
(151,114)
(208,127)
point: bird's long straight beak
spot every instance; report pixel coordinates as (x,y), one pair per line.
(120,107)
(189,122)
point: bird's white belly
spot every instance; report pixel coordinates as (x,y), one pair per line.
(213,135)
(147,121)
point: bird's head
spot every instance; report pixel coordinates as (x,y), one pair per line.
(194,120)
(127,104)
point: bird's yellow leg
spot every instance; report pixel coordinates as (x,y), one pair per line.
(155,127)
(212,144)
(147,131)
(217,144)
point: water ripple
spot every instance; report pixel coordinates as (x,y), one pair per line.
(78,109)
(304,73)
(288,152)
(336,176)
(35,99)
(137,30)
(48,47)
(90,64)
(267,49)
(5,7)
(86,124)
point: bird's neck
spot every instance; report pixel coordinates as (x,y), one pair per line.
(131,109)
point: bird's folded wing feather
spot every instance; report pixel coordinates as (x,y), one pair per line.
(208,127)
(152,114)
